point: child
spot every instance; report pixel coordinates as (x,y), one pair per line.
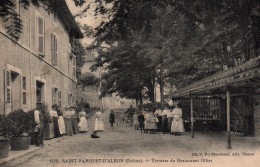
(141,122)
(135,121)
(153,123)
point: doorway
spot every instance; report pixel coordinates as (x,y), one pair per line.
(39,92)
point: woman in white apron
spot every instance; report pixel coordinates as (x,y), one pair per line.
(83,125)
(99,124)
(61,122)
(177,122)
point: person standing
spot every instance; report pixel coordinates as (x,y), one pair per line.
(73,119)
(169,118)
(135,121)
(141,121)
(55,117)
(177,126)
(165,120)
(66,115)
(39,128)
(99,124)
(158,114)
(61,122)
(83,125)
(111,118)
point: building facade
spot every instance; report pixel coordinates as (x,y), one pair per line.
(39,67)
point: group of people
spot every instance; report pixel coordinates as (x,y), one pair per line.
(66,122)
(168,120)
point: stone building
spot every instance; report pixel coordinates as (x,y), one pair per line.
(39,67)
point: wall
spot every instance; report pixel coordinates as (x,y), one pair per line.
(22,55)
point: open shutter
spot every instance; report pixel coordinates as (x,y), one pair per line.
(53,96)
(55,50)
(8,96)
(60,98)
(40,35)
(74,66)
(52,49)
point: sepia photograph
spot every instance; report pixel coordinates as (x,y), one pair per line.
(129,83)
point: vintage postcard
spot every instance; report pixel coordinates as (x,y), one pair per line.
(138,83)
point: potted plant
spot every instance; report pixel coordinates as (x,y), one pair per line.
(48,123)
(5,135)
(21,130)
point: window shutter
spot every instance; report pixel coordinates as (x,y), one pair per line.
(40,32)
(74,66)
(24,91)
(55,50)
(8,87)
(60,98)
(53,96)
(7,91)
(52,49)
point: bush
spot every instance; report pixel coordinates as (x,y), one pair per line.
(21,125)
(46,115)
(5,128)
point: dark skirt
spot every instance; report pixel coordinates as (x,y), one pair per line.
(56,127)
(164,123)
(169,123)
(141,124)
(68,126)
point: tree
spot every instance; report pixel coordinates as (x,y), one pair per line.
(88,79)
(79,51)
(12,21)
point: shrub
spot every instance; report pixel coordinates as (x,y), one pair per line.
(5,128)
(21,125)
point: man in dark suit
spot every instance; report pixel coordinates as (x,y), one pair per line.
(112,118)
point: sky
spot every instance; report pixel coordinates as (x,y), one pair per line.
(88,18)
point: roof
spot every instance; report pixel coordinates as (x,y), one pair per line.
(69,19)
(244,75)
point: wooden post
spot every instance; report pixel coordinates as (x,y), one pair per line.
(192,119)
(228,120)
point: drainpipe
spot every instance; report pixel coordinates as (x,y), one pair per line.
(30,55)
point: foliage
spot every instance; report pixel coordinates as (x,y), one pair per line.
(83,105)
(21,123)
(5,128)
(79,51)
(11,18)
(88,79)
(194,38)
(46,114)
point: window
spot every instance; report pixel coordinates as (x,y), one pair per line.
(56,96)
(24,90)
(54,49)
(40,34)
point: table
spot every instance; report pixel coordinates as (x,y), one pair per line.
(208,124)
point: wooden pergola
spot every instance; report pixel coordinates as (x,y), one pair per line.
(242,80)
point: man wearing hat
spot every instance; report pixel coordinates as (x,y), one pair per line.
(111,118)
(39,128)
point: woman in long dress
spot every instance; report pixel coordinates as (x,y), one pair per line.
(99,124)
(83,125)
(135,121)
(67,120)
(61,122)
(177,122)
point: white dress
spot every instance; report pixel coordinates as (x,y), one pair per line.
(99,124)
(177,122)
(83,124)
(61,124)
